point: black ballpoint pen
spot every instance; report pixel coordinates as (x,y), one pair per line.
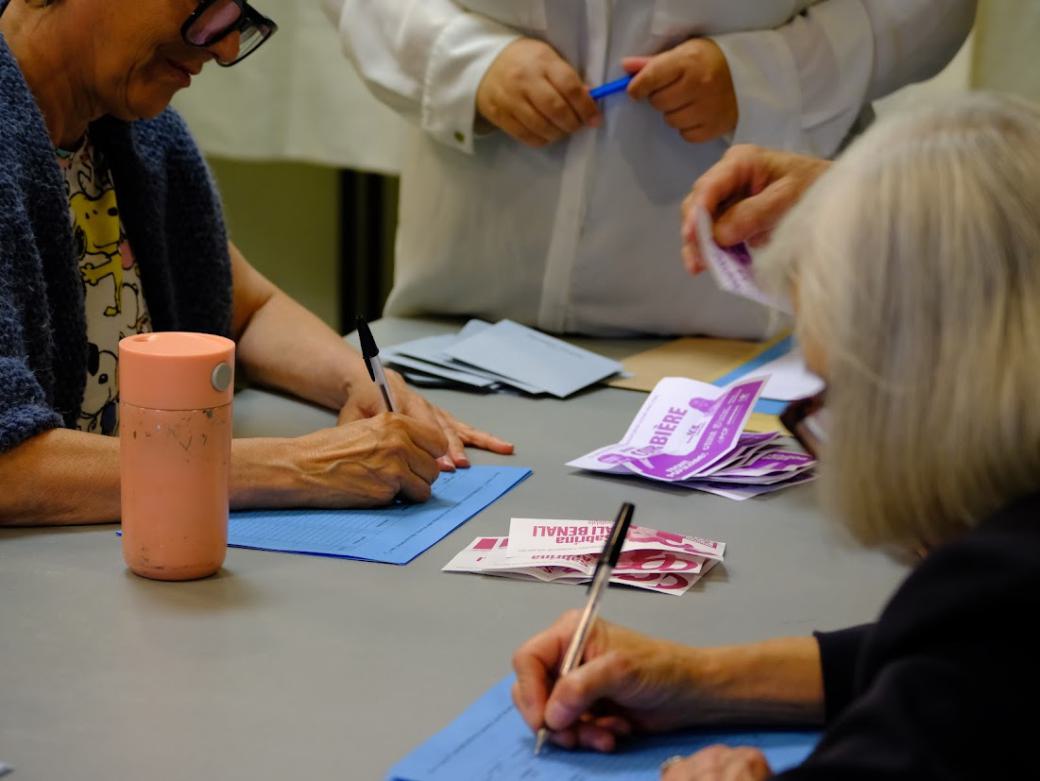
(600,578)
(370,352)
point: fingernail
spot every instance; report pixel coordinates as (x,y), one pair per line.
(462,461)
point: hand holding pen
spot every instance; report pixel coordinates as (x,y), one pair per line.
(576,647)
(626,683)
(407,402)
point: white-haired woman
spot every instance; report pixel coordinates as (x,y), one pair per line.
(916,262)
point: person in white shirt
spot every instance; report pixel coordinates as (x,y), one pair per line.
(523,198)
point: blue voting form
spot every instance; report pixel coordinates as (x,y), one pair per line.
(490,742)
(392,535)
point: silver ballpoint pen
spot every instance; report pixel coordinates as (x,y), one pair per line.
(600,579)
(370,352)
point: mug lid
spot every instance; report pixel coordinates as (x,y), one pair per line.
(176,370)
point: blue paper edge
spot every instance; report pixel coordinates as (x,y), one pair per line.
(401,561)
(402,771)
(765,406)
(770,406)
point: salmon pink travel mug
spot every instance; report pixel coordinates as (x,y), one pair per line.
(175,393)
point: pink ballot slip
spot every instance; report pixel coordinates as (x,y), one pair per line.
(565,551)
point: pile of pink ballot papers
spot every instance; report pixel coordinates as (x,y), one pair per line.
(559,551)
(691,434)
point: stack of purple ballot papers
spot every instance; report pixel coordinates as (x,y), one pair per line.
(503,356)
(691,434)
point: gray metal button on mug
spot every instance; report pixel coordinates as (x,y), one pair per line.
(221,377)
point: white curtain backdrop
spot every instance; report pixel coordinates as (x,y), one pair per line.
(297,98)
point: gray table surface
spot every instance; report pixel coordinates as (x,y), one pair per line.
(287,666)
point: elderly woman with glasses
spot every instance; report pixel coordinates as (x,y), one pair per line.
(110,226)
(915,263)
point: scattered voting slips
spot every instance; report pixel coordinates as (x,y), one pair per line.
(392,535)
(505,355)
(731,266)
(692,434)
(490,741)
(565,551)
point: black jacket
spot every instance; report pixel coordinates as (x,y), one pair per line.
(945,685)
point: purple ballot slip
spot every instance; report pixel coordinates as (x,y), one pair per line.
(691,434)
(731,267)
(769,463)
(718,436)
(749,447)
(739,492)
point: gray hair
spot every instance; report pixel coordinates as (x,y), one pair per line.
(916,261)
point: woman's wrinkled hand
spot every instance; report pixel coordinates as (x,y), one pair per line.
(626,683)
(367,463)
(365,400)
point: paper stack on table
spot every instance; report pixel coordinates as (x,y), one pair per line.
(505,355)
(692,434)
(565,551)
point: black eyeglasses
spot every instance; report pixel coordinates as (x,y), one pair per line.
(215,20)
(806,419)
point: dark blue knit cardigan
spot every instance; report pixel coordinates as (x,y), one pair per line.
(172,216)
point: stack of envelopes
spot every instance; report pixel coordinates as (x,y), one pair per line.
(566,551)
(506,355)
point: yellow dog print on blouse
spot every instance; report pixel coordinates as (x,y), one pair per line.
(97,229)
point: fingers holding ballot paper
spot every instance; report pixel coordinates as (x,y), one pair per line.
(746,194)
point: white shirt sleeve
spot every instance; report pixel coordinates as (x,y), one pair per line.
(802,86)
(423,58)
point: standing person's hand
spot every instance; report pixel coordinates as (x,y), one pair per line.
(366,401)
(627,682)
(746,193)
(534,95)
(691,86)
(718,763)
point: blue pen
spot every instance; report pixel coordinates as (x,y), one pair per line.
(618,85)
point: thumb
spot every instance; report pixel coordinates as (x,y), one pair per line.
(576,692)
